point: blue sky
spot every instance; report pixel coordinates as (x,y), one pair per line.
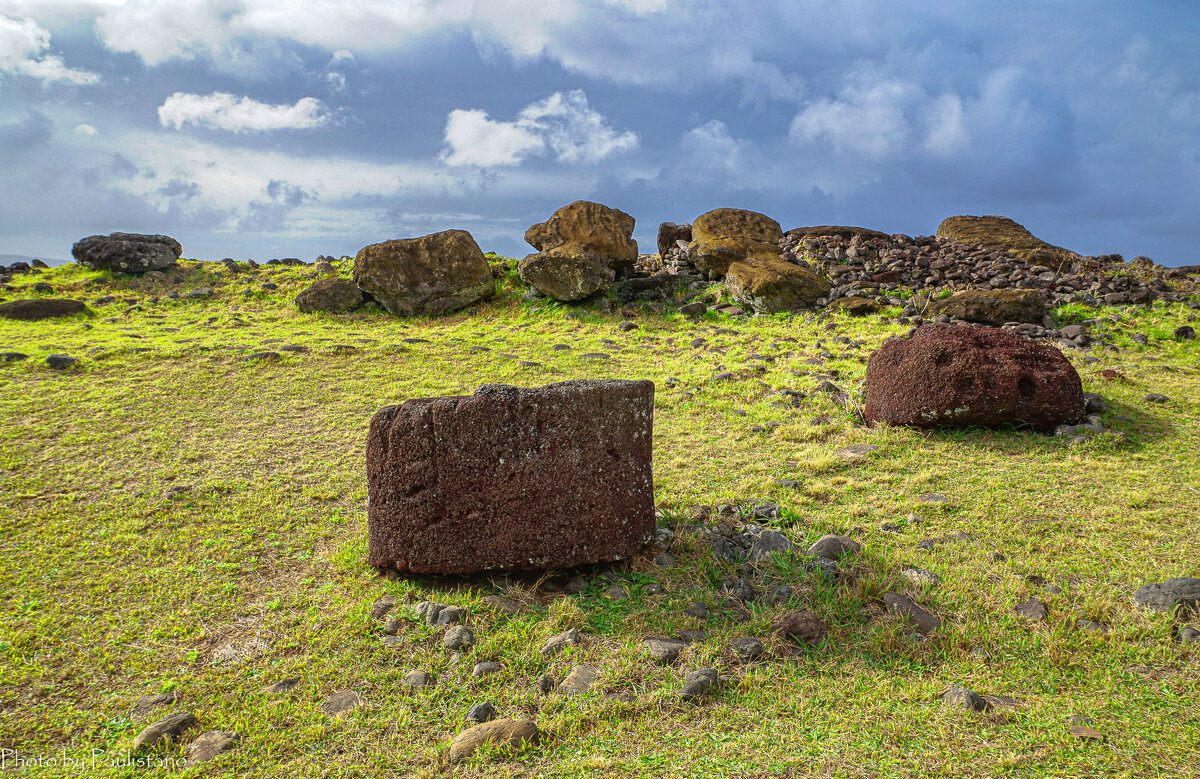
(274,128)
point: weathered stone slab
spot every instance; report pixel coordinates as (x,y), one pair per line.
(512,478)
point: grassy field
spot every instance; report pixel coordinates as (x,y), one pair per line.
(178,518)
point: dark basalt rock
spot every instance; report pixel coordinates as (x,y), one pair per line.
(1182,591)
(127,252)
(33,309)
(512,478)
(330,295)
(669,233)
(957,376)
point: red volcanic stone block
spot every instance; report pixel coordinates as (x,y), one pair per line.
(512,478)
(960,376)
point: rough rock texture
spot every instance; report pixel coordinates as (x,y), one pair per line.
(840,231)
(432,274)
(855,306)
(1183,591)
(1003,234)
(995,306)
(330,295)
(169,728)
(512,478)
(769,285)
(33,309)
(126,252)
(727,235)
(502,732)
(959,376)
(802,627)
(582,248)
(669,234)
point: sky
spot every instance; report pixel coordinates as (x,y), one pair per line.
(277,128)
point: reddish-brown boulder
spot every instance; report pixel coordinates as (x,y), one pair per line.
(512,478)
(962,376)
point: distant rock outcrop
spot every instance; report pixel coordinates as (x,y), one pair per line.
(1000,233)
(724,236)
(964,376)
(127,252)
(432,274)
(582,248)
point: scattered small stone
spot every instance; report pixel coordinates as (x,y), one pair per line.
(1086,733)
(209,745)
(919,577)
(60,362)
(381,607)
(545,685)
(580,680)
(767,544)
(747,648)
(505,732)
(697,610)
(699,683)
(1079,719)
(282,686)
(170,728)
(148,704)
(1189,635)
(481,712)
(13,356)
(447,615)
(981,652)
(417,679)
(485,669)
(1183,592)
(666,560)
(833,547)
(962,698)
(616,592)
(927,545)
(922,620)
(558,643)
(1089,626)
(739,589)
(664,650)
(1185,333)
(199,293)
(1032,609)
(340,704)
(1155,397)
(856,452)
(458,637)
(781,594)
(933,497)
(265,356)
(802,627)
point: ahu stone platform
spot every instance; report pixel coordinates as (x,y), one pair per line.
(512,478)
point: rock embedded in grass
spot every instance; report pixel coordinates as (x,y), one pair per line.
(919,618)
(458,637)
(282,686)
(341,704)
(433,274)
(833,547)
(126,252)
(698,683)
(747,648)
(500,732)
(556,644)
(579,680)
(168,729)
(417,680)
(962,698)
(36,309)
(1181,592)
(61,362)
(1032,609)
(210,744)
(481,712)
(801,627)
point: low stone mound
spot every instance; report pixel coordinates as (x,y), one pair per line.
(963,376)
(841,231)
(432,274)
(127,252)
(34,309)
(995,306)
(1003,234)
(670,234)
(582,248)
(512,478)
(330,296)
(855,306)
(724,236)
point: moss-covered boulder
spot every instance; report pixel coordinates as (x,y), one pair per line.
(855,306)
(1000,233)
(330,295)
(769,285)
(582,248)
(724,236)
(432,274)
(995,306)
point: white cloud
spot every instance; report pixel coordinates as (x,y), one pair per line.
(22,46)
(945,127)
(224,111)
(86,130)
(562,124)
(709,153)
(868,120)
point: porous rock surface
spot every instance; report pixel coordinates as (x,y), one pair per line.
(995,306)
(582,248)
(330,295)
(512,478)
(960,376)
(724,236)
(34,309)
(126,252)
(432,274)
(1004,234)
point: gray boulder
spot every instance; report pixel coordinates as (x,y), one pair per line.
(127,252)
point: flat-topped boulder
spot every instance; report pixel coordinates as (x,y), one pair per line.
(512,478)
(724,236)
(127,252)
(995,306)
(34,309)
(433,274)
(1002,234)
(964,376)
(582,248)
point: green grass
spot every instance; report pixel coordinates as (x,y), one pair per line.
(110,591)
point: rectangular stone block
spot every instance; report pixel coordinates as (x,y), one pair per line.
(512,478)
